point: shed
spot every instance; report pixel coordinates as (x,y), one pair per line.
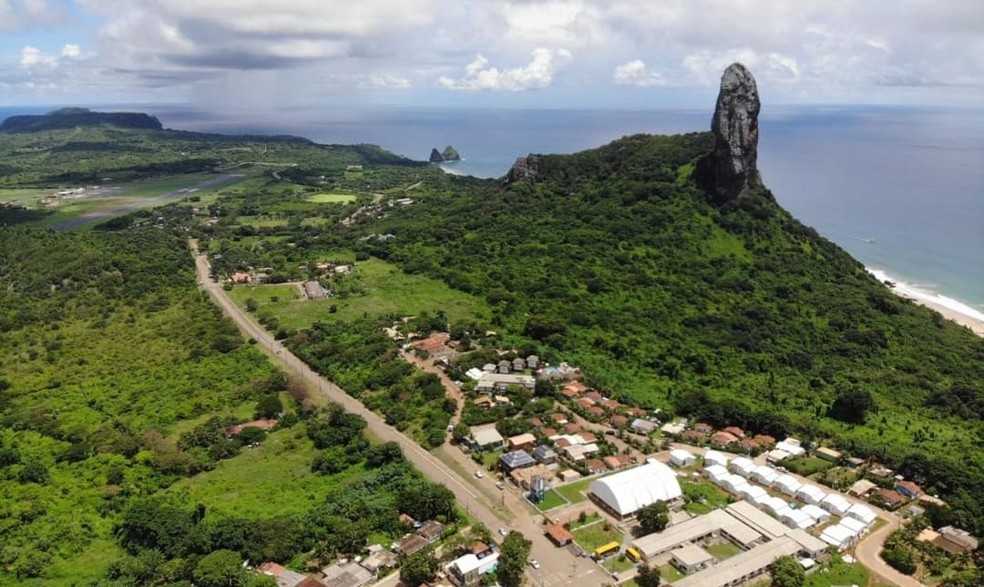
(743,466)
(713,457)
(828,454)
(682,458)
(792,446)
(787,484)
(559,535)
(835,504)
(754,494)
(854,525)
(908,489)
(796,518)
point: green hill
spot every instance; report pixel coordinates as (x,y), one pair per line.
(76,117)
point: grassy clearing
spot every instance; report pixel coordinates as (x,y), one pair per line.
(272,480)
(723,550)
(837,572)
(670,573)
(265,294)
(807,466)
(594,535)
(331,198)
(388,291)
(618,564)
(575,492)
(23,197)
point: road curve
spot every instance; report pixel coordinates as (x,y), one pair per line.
(556,567)
(869,549)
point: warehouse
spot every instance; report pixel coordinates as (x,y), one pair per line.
(622,494)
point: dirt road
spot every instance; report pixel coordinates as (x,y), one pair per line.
(557,567)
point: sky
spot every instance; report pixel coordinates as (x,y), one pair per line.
(262,54)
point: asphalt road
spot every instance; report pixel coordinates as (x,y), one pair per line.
(557,567)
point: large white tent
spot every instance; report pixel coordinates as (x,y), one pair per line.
(815,512)
(837,536)
(716,473)
(743,466)
(810,494)
(681,458)
(765,475)
(835,504)
(713,457)
(626,492)
(861,512)
(787,484)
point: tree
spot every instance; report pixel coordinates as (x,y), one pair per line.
(653,517)
(648,577)
(787,572)
(383,454)
(251,305)
(900,559)
(269,407)
(460,432)
(418,568)
(222,568)
(852,405)
(33,471)
(512,559)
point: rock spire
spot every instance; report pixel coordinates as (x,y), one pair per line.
(735,127)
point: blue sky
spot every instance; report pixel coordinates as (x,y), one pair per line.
(262,54)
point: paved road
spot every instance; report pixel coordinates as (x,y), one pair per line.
(139,203)
(557,567)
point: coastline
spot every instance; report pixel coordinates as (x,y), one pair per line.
(949,308)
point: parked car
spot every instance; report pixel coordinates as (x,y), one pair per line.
(479,474)
(500,485)
(503,532)
(534,563)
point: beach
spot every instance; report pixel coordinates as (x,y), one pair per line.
(951,309)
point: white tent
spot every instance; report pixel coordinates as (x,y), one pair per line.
(713,457)
(835,504)
(717,473)
(765,475)
(753,492)
(734,484)
(817,513)
(863,513)
(837,536)
(743,466)
(854,525)
(796,518)
(761,499)
(810,494)
(792,446)
(626,492)
(787,484)
(776,505)
(681,458)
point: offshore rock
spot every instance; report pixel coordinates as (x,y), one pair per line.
(436,156)
(525,169)
(734,163)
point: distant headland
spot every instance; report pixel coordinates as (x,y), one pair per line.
(74,117)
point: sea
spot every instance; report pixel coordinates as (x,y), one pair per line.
(900,188)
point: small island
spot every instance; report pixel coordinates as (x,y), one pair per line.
(448,154)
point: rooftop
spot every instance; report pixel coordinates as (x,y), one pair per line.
(745,564)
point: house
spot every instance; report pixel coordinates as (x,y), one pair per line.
(504,366)
(765,475)
(558,418)
(791,446)
(955,540)
(881,472)
(586,402)
(241,277)
(410,544)
(533,362)
(518,364)
(681,458)
(644,427)
(431,530)
(735,431)
(743,466)
(408,521)
(568,475)
(521,442)
(619,421)
(749,445)
(587,437)
(517,459)
(810,494)
(723,438)
(545,455)
(595,466)
(468,569)
(672,428)
(787,484)
(265,425)
(379,559)
(863,513)
(576,387)
(908,489)
(490,382)
(347,574)
(610,404)
(435,344)
(690,558)
(568,393)
(594,396)
(694,436)
(572,428)
(311,582)
(485,437)
(488,368)
(828,454)
(713,457)
(835,504)
(616,462)
(892,499)
(861,488)
(764,440)
(596,411)
(283,576)
(550,433)
(579,452)
(776,455)
(703,427)
(524,477)
(559,535)
(483,401)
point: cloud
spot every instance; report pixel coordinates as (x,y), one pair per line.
(536,74)
(34,57)
(19,15)
(635,73)
(71,51)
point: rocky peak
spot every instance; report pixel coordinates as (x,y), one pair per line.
(435,156)
(524,169)
(733,165)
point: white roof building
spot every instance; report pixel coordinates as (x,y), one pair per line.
(817,513)
(854,525)
(474,373)
(743,466)
(713,457)
(716,473)
(861,512)
(787,484)
(753,492)
(796,518)
(837,536)
(810,494)
(776,505)
(682,458)
(733,484)
(765,475)
(486,435)
(835,504)
(791,446)
(775,455)
(626,492)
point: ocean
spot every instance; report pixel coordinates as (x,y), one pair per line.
(902,189)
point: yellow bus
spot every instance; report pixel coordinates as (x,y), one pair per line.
(634,554)
(606,550)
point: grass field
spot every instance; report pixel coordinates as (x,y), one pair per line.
(575,492)
(594,535)
(265,294)
(551,500)
(670,573)
(388,290)
(723,550)
(273,479)
(618,564)
(331,198)
(23,197)
(837,572)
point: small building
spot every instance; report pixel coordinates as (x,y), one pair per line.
(488,368)
(672,428)
(891,498)
(584,402)
(776,456)
(908,489)
(765,475)
(619,421)
(313,290)
(828,454)
(559,535)
(703,427)
(810,494)
(743,466)
(734,484)
(644,427)
(491,382)
(486,437)
(517,459)
(796,518)
(955,540)
(787,484)
(595,466)
(558,418)
(838,536)
(694,436)
(791,446)
(754,495)
(348,574)
(682,458)
(284,577)
(410,545)
(861,488)
(431,530)
(713,457)
(524,477)
(816,512)
(521,442)
(764,440)
(854,525)
(776,505)
(468,569)
(504,367)
(616,462)
(722,438)
(690,558)
(518,364)
(735,431)
(568,475)
(544,455)
(716,473)
(861,512)
(835,504)
(435,344)
(533,362)
(379,559)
